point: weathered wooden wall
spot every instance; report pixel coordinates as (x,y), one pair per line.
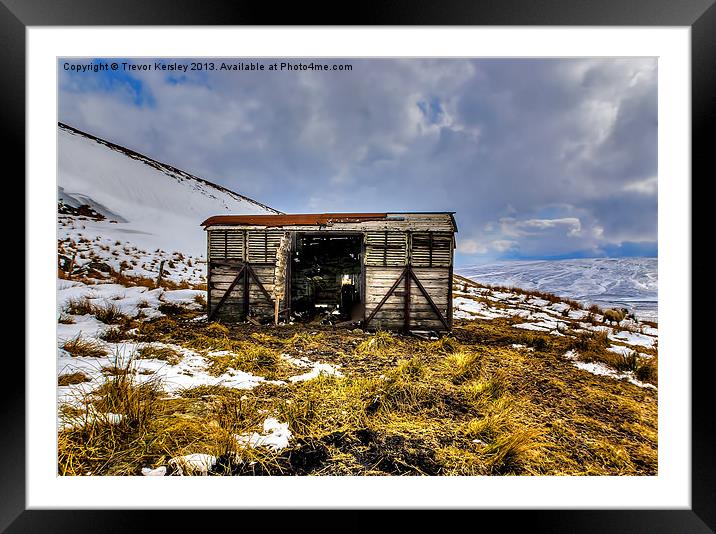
(228,251)
(379,280)
(424,255)
(222,275)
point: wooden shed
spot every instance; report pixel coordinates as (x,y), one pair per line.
(382,270)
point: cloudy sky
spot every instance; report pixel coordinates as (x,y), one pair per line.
(539,158)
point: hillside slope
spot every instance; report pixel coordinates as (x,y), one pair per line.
(154,204)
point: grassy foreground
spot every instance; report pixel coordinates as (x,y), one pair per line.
(471,403)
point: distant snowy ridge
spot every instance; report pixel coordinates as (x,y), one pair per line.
(147,203)
(627,282)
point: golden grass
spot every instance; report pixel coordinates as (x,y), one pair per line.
(377,343)
(468,404)
(303,341)
(246,356)
(82,347)
(509,452)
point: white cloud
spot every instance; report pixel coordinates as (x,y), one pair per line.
(644,187)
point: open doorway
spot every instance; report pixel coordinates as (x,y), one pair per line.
(326,276)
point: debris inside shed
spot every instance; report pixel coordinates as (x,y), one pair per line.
(326,276)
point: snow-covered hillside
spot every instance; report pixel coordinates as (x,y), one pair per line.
(144,203)
(607,282)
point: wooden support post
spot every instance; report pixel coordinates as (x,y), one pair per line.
(406,304)
(161,273)
(408,276)
(449,310)
(246,289)
(208,288)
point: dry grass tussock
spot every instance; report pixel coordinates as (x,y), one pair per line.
(159,352)
(70,379)
(107,312)
(84,347)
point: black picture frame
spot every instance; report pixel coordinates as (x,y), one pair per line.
(699,15)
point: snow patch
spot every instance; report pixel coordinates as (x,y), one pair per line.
(275,436)
(158,472)
(317,370)
(192,464)
(599,369)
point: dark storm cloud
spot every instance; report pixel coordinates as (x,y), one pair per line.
(537,157)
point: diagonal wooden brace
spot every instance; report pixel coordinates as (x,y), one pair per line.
(258,283)
(226,295)
(430,300)
(385,298)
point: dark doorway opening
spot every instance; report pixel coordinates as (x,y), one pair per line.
(326,277)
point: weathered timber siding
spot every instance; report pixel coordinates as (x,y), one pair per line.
(422,241)
(233,307)
(379,280)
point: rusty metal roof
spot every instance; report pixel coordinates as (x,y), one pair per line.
(303,219)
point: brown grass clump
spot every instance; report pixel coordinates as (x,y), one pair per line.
(495,421)
(490,388)
(108,313)
(595,342)
(326,404)
(159,352)
(445,345)
(81,306)
(647,371)
(71,379)
(114,335)
(81,347)
(405,388)
(216,330)
(66,319)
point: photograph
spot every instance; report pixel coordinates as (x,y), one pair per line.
(351,266)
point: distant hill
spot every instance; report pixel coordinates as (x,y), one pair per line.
(627,282)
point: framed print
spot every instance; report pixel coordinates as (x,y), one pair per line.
(436,259)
